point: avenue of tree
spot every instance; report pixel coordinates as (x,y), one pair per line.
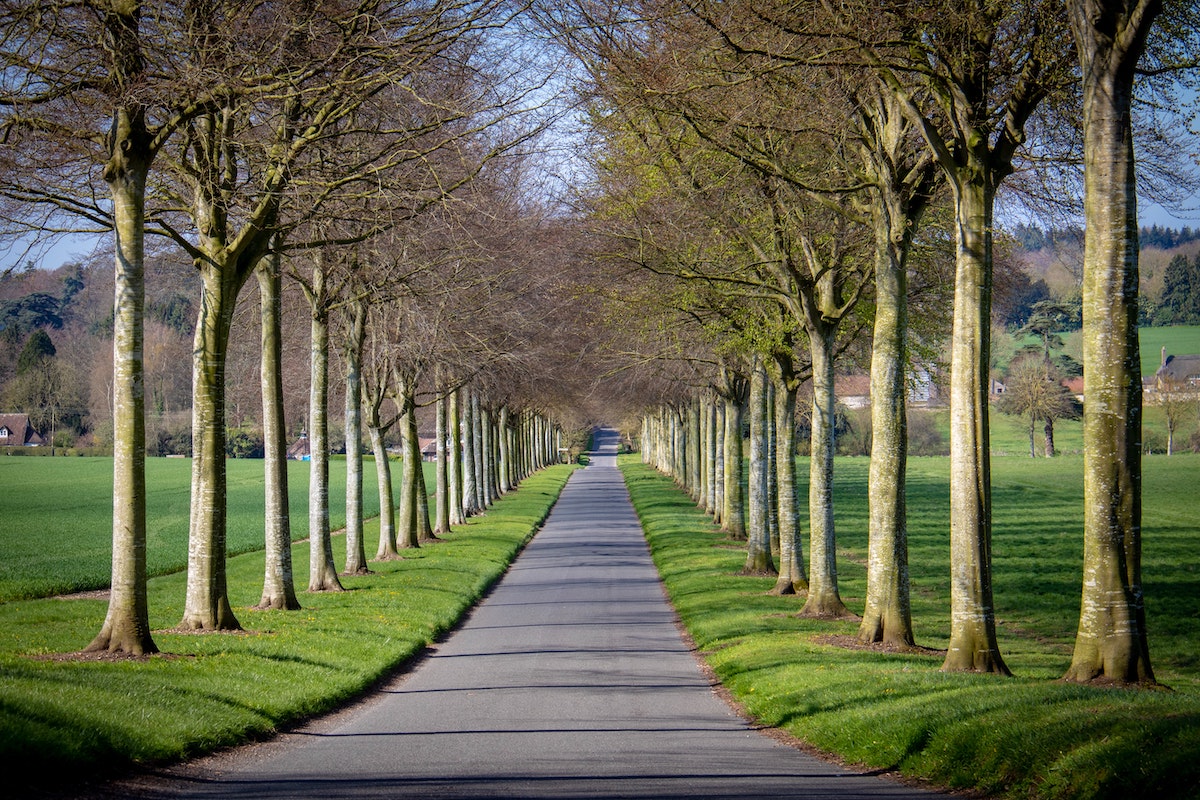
(765,191)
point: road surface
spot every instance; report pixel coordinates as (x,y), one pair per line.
(571,680)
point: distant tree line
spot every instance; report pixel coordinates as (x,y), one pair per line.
(1033,238)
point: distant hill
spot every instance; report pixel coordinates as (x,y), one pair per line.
(1056,256)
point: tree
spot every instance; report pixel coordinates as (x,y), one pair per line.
(86,85)
(1111,644)
(984,69)
(758,556)
(1179,303)
(279,588)
(1034,389)
(1179,401)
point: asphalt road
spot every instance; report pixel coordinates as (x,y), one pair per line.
(571,680)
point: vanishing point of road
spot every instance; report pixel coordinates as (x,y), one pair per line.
(570,680)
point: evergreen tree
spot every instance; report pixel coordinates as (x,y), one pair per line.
(1180,300)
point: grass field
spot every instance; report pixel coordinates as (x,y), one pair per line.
(56,535)
(1178,339)
(66,718)
(1028,736)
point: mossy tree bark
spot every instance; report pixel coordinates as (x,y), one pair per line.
(322,572)
(792,579)
(1111,644)
(356,551)
(470,502)
(758,551)
(903,176)
(973,644)
(823,600)
(126,627)
(442,475)
(408,532)
(279,588)
(454,460)
(733,512)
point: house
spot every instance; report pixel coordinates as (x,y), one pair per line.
(428,448)
(853,391)
(15,431)
(298,451)
(1075,387)
(1178,369)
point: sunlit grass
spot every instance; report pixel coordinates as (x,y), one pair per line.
(1027,736)
(64,717)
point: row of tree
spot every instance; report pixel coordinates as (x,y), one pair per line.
(371,152)
(767,167)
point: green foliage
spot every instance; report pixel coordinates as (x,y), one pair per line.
(38,347)
(36,310)
(244,443)
(1030,736)
(57,532)
(69,717)
(1180,300)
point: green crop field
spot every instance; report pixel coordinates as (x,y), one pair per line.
(56,535)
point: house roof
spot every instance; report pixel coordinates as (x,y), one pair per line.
(852,386)
(1180,368)
(20,434)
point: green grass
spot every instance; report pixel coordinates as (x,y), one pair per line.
(57,512)
(78,717)
(1027,736)
(1180,340)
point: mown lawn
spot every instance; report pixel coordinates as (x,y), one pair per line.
(66,718)
(56,535)
(1026,736)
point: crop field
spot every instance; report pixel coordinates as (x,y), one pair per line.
(56,534)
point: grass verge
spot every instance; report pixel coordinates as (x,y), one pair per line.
(1031,736)
(71,717)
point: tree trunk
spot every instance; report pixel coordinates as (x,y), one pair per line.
(758,551)
(772,467)
(279,586)
(454,465)
(504,441)
(791,561)
(1048,434)
(887,615)
(442,479)
(719,467)
(733,515)
(470,504)
(207,599)
(1111,643)
(356,551)
(322,573)
(420,489)
(408,529)
(824,600)
(126,627)
(477,442)
(387,502)
(972,617)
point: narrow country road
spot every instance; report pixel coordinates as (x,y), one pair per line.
(570,681)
